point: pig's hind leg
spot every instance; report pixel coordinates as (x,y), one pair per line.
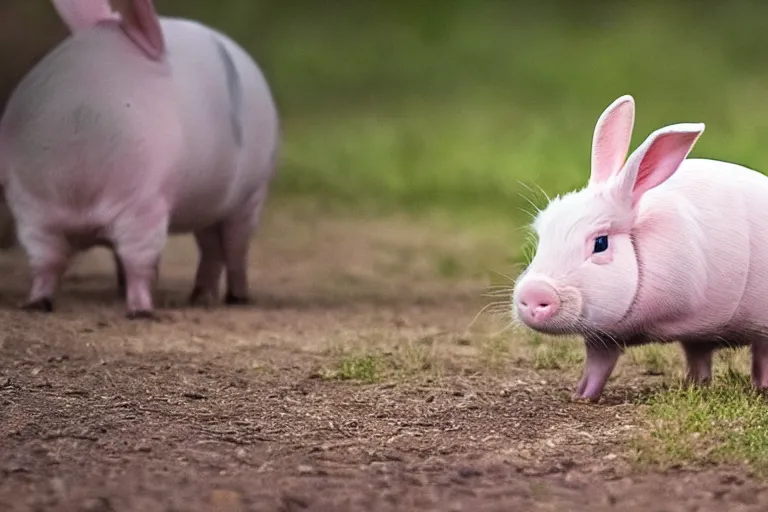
(120,274)
(759,344)
(236,232)
(210,267)
(48,252)
(699,354)
(698,359)
(139,236)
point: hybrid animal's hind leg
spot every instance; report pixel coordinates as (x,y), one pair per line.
(210,267)
(236,234)
(760,362)
(139,237)
(698,357)
(120,271)
(48,253)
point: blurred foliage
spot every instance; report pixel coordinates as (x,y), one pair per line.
(414,104)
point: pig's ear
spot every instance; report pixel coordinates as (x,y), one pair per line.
(82,14)
(610,142)
(142,25)
(657,159)
(139,21)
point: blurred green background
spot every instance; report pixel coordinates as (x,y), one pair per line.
(417,106)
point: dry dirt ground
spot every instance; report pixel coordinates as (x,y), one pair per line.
(241,409)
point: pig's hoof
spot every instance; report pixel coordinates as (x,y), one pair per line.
(580,399)
(233,300)
(44,305)
(202,297)
(142,315)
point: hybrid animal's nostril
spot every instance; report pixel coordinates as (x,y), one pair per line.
(537,301)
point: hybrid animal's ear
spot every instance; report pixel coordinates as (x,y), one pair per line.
(142,25)
(656,159)
(610,142)
(139,21)
(82,14)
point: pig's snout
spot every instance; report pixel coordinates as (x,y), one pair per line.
(536,302)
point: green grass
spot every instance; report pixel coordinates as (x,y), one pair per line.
(370,362)
(556,353)
(364,368)
(657,359)
(394,106)
(467,109)
(726,422)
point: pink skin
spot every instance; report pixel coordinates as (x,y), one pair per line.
(537,302)
(133,129)
(657,247)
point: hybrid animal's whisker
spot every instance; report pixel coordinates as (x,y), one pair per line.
(485,309)
(527,187)
(549,199)
(505,276)
(532,204)
(506,287)
(529,214)
(498,294)
(507,326)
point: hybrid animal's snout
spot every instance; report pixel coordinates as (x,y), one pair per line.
(536,302)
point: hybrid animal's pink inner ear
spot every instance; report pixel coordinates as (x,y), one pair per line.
(658,158)
(82,14)
(142,25)
(139,21)
(610,142)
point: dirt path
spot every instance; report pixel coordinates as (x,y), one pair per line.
(237,409)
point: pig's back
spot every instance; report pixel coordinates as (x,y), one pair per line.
(97,125)
(230,121)
(727,204)
(92,123)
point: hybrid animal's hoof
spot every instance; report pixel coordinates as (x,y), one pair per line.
(121,288)
(694,382)
(202,297)
(232,300)
(142,315)
(44,305)
(581,399)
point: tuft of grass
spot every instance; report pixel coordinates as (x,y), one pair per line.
(726,422)
(362,368)
(494,353)
(557,353)
(420,359)
(405,360)
(656,359)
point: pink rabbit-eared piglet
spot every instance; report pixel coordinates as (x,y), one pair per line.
(657,247)
(134,128)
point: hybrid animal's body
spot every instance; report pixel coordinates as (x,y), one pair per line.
(660,248)
(133,128)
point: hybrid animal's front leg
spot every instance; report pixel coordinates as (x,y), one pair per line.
(601,358)
(210,267)
(698,357)
(48,253)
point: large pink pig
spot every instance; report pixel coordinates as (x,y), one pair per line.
(133,128)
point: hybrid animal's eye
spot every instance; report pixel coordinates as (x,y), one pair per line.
(601,244)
